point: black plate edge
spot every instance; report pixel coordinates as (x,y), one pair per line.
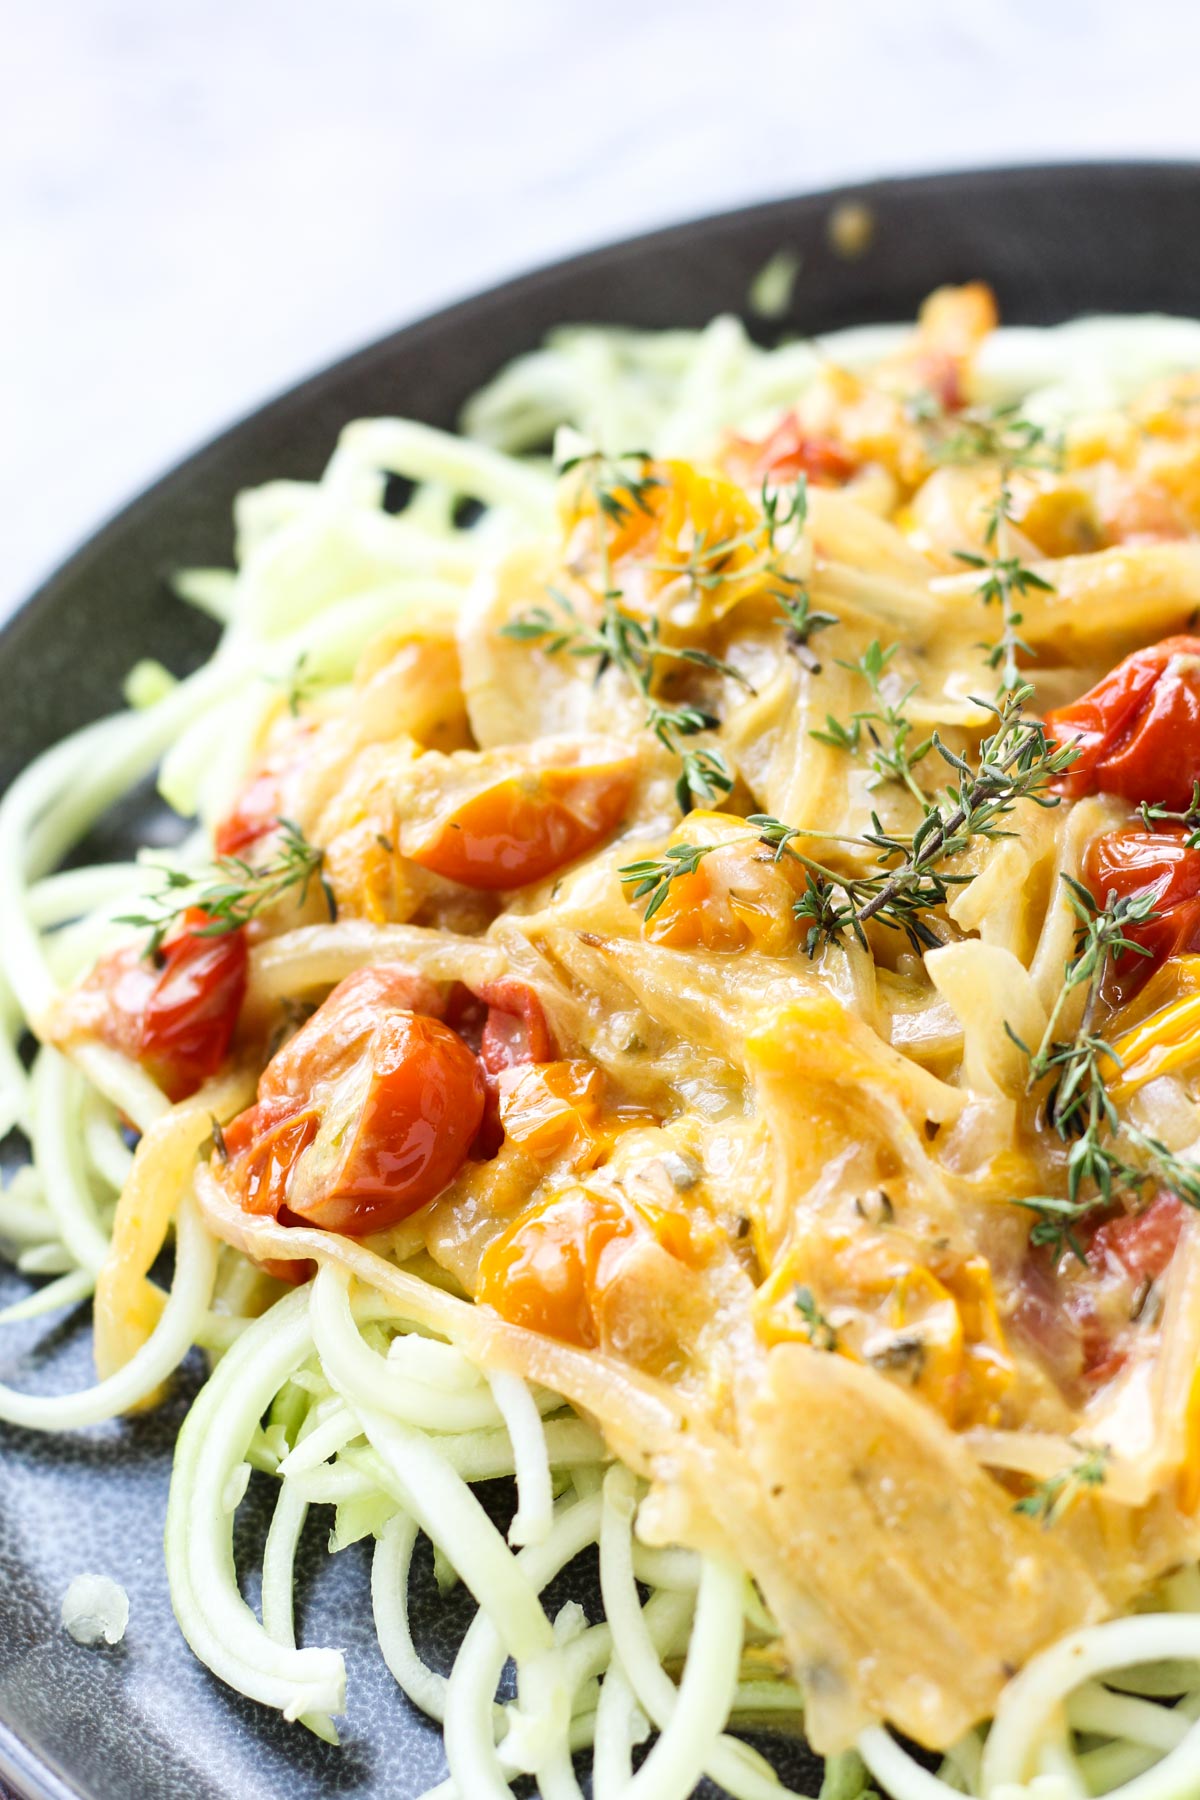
(310,388)
(23,1768)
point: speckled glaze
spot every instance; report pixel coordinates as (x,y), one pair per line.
(143,1720)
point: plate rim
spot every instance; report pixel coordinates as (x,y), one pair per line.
(1038,174)
(30,1775)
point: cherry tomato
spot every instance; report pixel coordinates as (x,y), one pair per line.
(516,1029)
(1138,731)
(737,896)
(552,1268)
(1141,1244)
(264,1143)
(364,1117)
(525,825)
(787,453)
(1132,861)
(175,1015)
(550,1107)
(264,797)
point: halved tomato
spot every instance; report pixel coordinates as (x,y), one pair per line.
(552,1267)
(1137,732)
(175,1014)
(508,826)
(364,1117)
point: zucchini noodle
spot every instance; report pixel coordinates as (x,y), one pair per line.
(374,1386)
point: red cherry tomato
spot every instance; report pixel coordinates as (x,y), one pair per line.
(266,795)
(192,1010)
(788,453)
(1138,731)
(175,1015)
(1140,1244)
(516,1029)
(364,1117)
(1131,862)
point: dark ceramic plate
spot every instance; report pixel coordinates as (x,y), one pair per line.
(145,1721)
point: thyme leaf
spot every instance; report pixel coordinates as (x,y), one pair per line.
(821,1334)
(1048,1501)
(1078,1105)
(234,891)
(1189,818)
(635,647)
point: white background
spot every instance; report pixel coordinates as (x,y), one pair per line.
(201,200)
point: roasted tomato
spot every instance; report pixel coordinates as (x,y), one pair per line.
(1138,731)
(789,452)
(1140,1244)
(266,794)
(551,1269)
(364,1116)
(507,830)
(1133,861)
(737,895)
(549,1108)
(175,1014)
(1159,1031)
(1081,1316)
(516,1029)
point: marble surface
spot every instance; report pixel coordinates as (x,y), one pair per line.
(201,202)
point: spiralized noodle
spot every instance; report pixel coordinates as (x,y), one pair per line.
(378,1385)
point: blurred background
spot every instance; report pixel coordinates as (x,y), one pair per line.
(202,201)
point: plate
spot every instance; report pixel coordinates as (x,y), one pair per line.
(145,1721)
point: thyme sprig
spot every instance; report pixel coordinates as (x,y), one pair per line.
(1078,1105)
(1000,434)
(1189,819)
(885,726)
(1015,762)
(233,892)
(620,485)
(654,875)
(1005,582)
(1049,1499)
(821,1334)
(301,685)
(803,622)
(1003,435)
(620,640)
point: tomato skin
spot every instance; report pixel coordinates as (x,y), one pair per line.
(787,453)
(550,1107)
(266,794)
(411,1135)
(345,1018)
(1137,731)
(1143,1243)
(366,1115)
(255,813)
(192,1011)
(524,826)
(549,1269)
(1062,1312)
(264,1142)
(175,1015)
(516,1029)
(1132,861)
